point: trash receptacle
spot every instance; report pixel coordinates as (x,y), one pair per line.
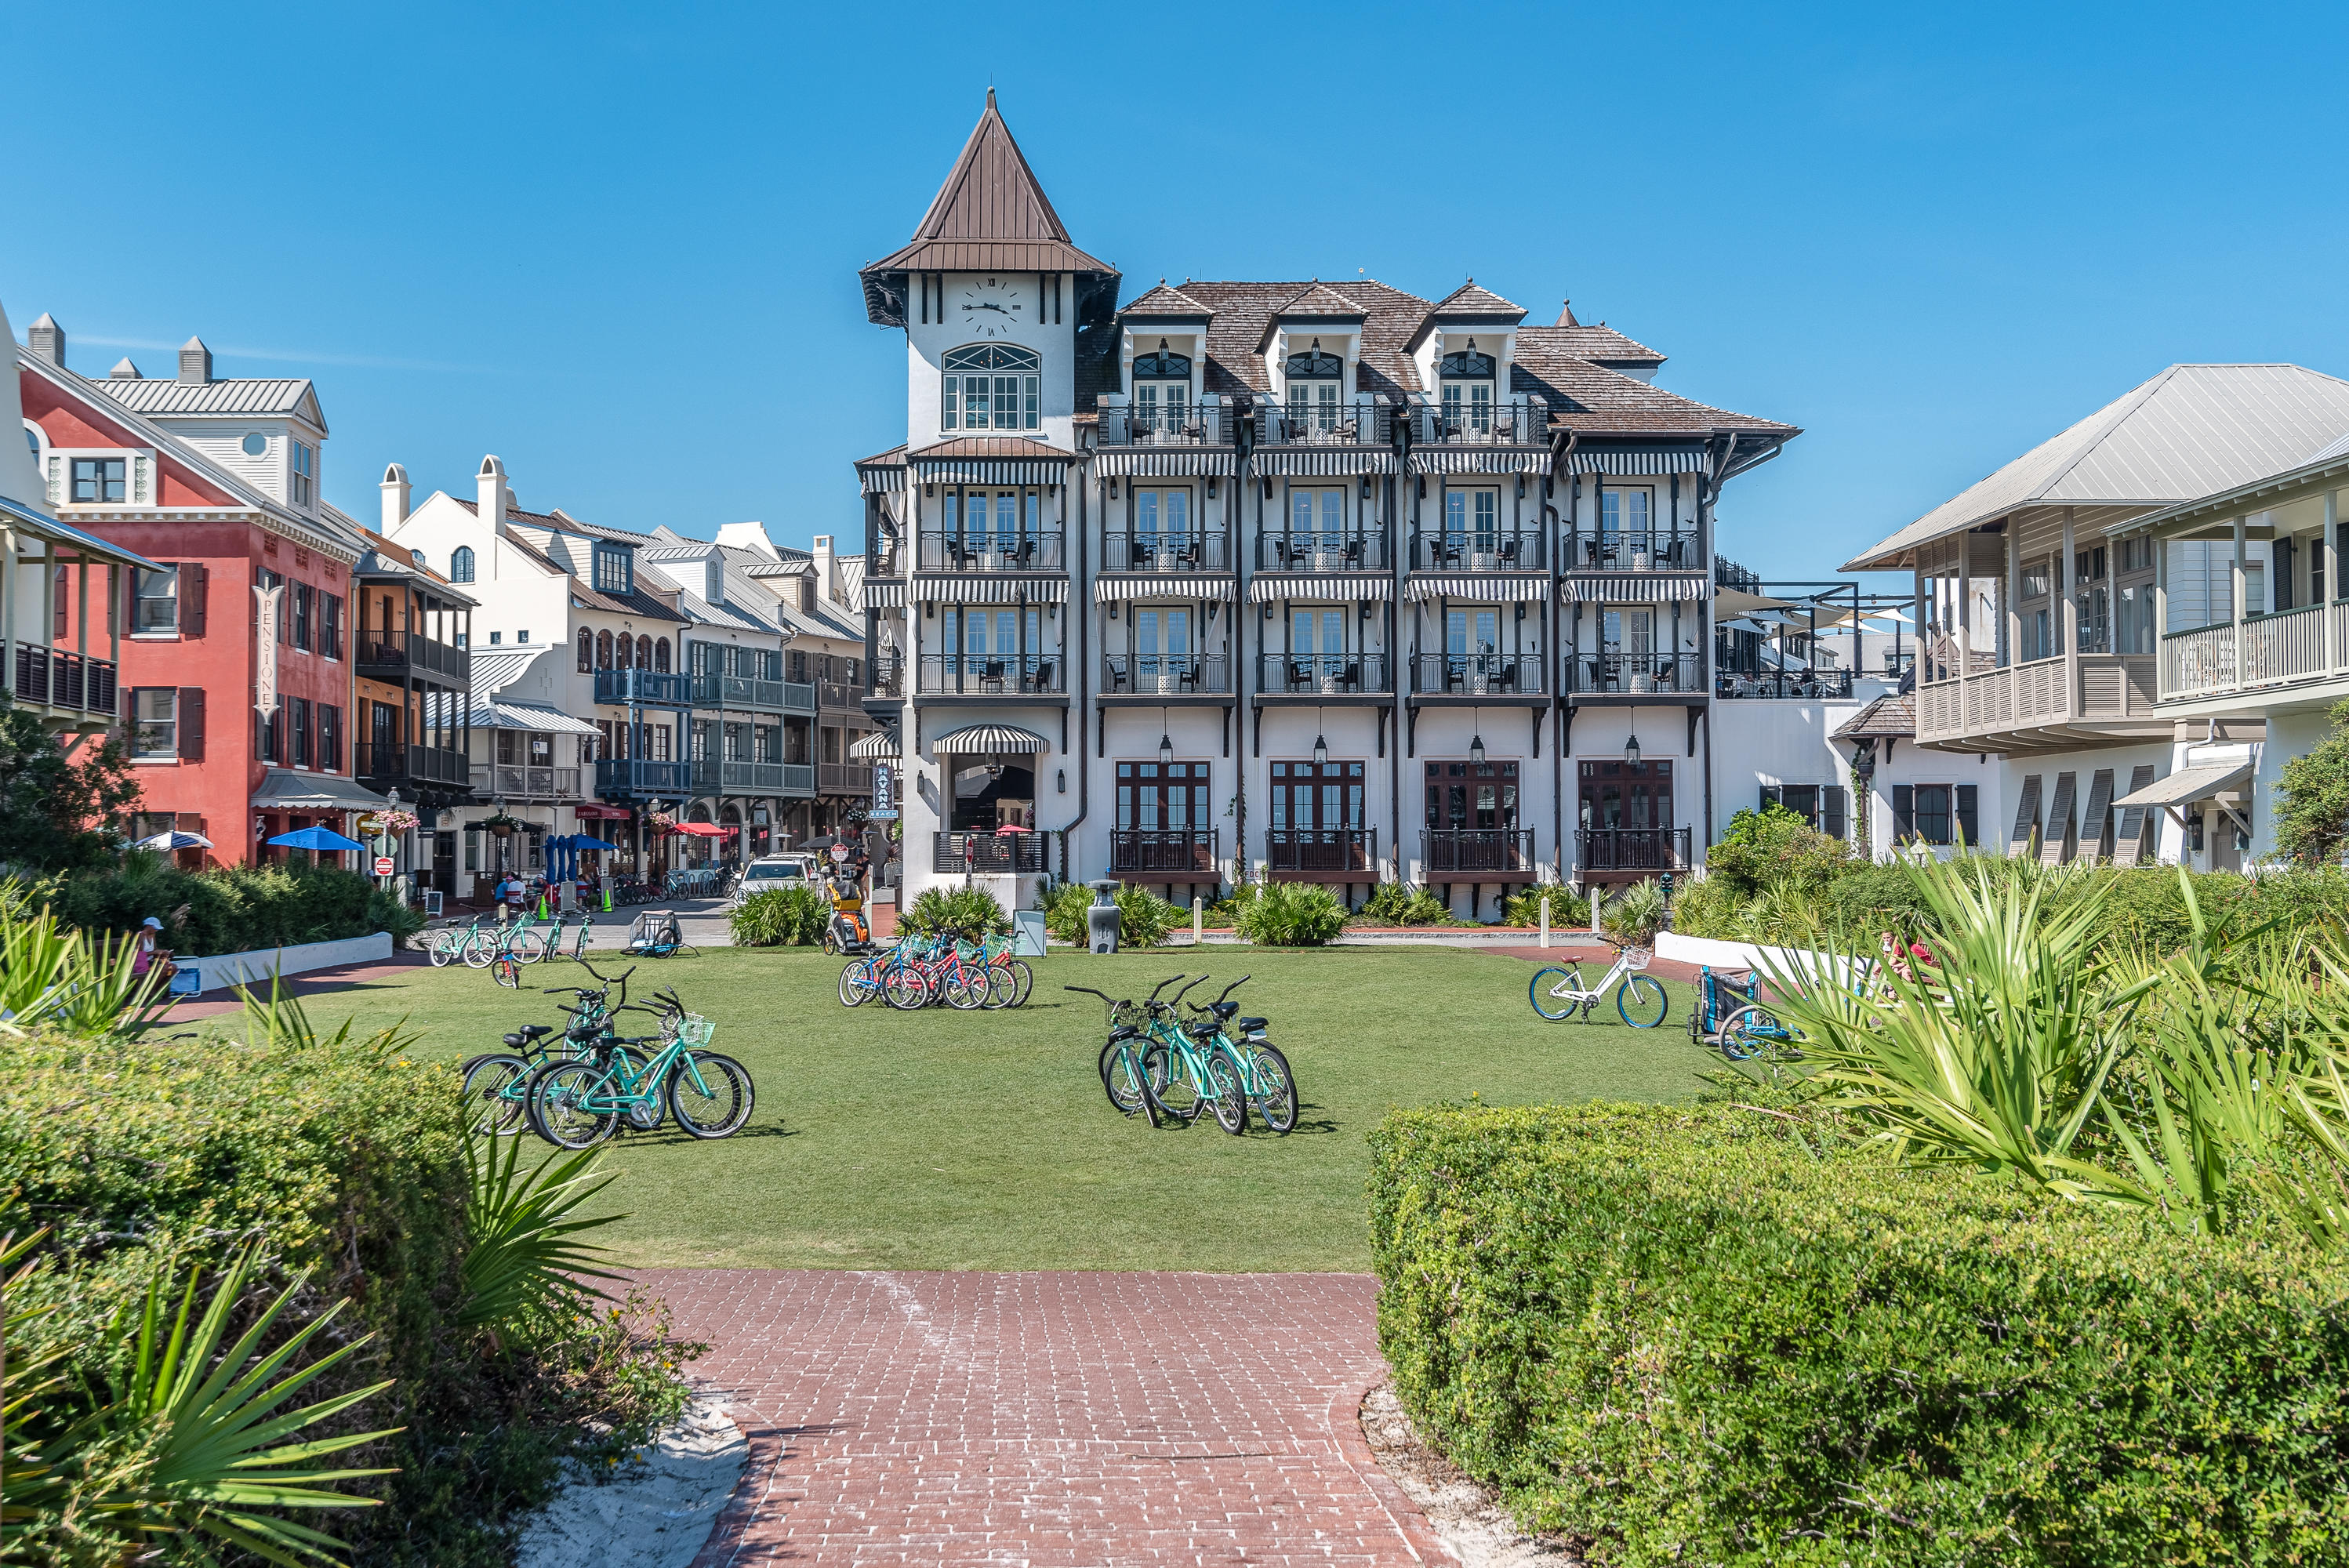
(1104,921)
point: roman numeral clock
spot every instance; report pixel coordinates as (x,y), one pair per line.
(991,308)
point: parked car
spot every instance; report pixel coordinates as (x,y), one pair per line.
(770,872)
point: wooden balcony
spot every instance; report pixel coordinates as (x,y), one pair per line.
(2271,656)
(1165,854)
(1626,854)
(2036,706)
(1478,854)
(987,855)
(1321,854)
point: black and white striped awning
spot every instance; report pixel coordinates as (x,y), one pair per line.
(986,739)
(1112,590)
(1489,590)
(1643,463)
(1171,462)
(881,745)
(1478,461)
(883,595)
(1322,462)
(992,470)
(1632,587)
(981,590)
(882,481)
(1265,589)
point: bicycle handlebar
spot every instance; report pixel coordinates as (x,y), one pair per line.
(1186,990)
(1165,983)
(1235,985)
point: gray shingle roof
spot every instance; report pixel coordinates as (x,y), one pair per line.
(1592,401)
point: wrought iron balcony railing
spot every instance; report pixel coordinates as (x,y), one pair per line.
(1632,848)
(1126,552)
(986,854)
(977,552)
(1491,855)
(1180,853)
(1621,675)
(1327,674)
(1321,552)
(1478,550)
(976,675)
(1163,674)
(1476,675)
(1635,550)
(1331,854)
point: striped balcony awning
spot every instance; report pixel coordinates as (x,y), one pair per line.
(880,745)
(984,590)
(1489,590)
(881,482)
(1650,462)
(1478,461)
(1265,589)
(1166,462)
(1321,462)
(982,739)
(883,595)
(1114,590)
(1632,587)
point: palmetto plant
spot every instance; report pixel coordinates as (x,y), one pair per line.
(525,1255)
(51,977)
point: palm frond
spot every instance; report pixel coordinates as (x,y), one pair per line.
(525,1253)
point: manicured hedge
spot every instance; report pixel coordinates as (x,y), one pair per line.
(235,909)
(1705,1334)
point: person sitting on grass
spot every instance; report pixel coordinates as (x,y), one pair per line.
(149,957)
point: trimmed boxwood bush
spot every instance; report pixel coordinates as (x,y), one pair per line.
(1712,1335)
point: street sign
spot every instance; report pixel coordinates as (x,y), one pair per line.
(884,800)
(383,865)
(881,816)
(839,853)
(370,824)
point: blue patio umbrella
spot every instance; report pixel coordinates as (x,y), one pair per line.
(317,839)
(565,863)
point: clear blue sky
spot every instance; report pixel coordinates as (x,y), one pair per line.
(618,245)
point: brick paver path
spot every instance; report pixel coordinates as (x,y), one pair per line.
(1053,1420)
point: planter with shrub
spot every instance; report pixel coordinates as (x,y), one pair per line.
(1146,917)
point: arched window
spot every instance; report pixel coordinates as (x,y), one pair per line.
(992,386)
(1316,382)
(460,565)
(623,652)
(644,652)
(586,650)
(1162,390)
(660,656)
(603,650)
(1467,379)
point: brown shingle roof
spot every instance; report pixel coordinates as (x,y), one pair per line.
(635,602)
(1320,299)
(1602,345)
(1165,301)
(1245,311)
(1469,299)
(1894,717)
(1594,401)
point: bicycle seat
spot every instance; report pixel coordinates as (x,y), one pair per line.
(1252,1023)
(1222,1010)
(1123,1032)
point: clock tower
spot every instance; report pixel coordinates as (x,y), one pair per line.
(993,299)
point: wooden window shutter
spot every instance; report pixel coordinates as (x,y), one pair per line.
(1904,811)
(1833,812)
(191,724)
(194,578)
(1968,812)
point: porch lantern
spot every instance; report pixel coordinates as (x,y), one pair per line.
(1476,751)
(1320,752)
(1631,752)
(1165,750)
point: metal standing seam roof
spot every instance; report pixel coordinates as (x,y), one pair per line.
(2189,785)
(258,395)
(66,533)
(2189,431)
(532,715)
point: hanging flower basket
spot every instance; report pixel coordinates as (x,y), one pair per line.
(503,825)
(399,822)
(660,821)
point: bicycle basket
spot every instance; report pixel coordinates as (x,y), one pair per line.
(1637,957)
(695,1031)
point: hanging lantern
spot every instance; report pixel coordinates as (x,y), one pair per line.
(1631,752)
(1477,752)
(1320,752)
(1165,749)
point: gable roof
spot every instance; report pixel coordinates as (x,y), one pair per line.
(1893,716)
(991,214)
(635,601)
(1594,401)
(1602,345)
(2191,430)
(1319,299)
(1167,302)
(268,396)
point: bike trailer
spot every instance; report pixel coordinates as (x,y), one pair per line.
(1720,993)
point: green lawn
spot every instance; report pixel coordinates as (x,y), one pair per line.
(946,1140)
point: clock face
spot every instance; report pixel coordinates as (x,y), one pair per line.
(991,308)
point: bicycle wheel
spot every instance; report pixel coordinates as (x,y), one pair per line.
(1167,1079)
(964,987)
(1755,1033)
(1027,978)
(717,1105)
(1641,1002)
(905,988)
(1121,1075)
(442,948)
(506,970)
(1225,1095)
(479,949)
(857,986)
(559,1110)
(643,1116)
(1003,987)
(492,1095)
(1547,985)
(1276,1100)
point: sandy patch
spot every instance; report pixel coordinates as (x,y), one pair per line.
(1466,1516)
(656,1509)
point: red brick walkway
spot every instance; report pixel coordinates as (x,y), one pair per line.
(1048,1419)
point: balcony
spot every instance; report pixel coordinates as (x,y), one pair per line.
(1476,675)
(1478,854)
(625,778)
(1203,424)
(663,688)
(1123,552)
(1321,552)
(2277,650)
(397,764)
(1607,674)
(61,679)
(2035,707)
(1322,675)
(511,781)
(971,674)
(838,696)
(886,678)
(1828,686)
(845,778)
(1321,854)
(761,778)
(987,855)
(1475,551)
(393,656)
(1360,421)
(1164,675)
(989,553)
(1173,854)
(1643,550)
(1507,422)
(747,692)
(1615,852)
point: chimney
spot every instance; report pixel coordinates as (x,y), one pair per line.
(195,363)
(827,568)
(46,339)
(396,492)
(124,371)
(490,491)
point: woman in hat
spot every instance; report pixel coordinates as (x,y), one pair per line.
(148,955)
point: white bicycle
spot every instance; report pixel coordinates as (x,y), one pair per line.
(1639,999)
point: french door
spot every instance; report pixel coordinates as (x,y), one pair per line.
(1472,818)
(1162,647)
(1468,407)
(1159,406)
(1162,823)
(1162,522)
(1317,818)
(1626,816)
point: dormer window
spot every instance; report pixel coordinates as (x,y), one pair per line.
(1162,390)
(1466,378)
(992,386)
(614,570)
(304,469)
(1316,381)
